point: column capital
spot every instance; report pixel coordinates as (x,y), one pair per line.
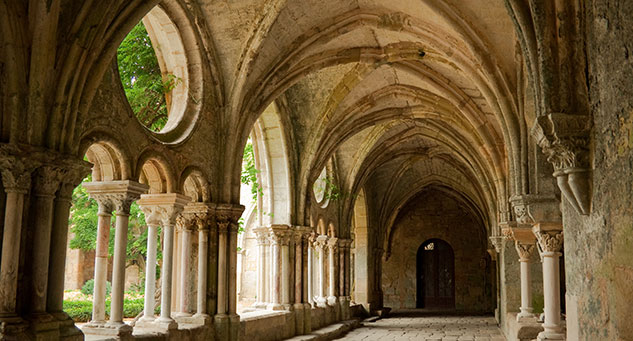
(320,241)
(46,180)
(115,195)
(227,216)
(549,236)
(163,208)
(16,172)
(333,243)
(280,234)
(261,235)
(498,242)
(493,253)
(344,244)
(533,208)
(196,216)
(565,140)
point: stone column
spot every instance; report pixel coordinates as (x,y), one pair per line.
(16,179)
(332,247)
(186,228)
(311,241)
(298,276)
(344,270)
(59,242)
(305,279)
(202,223)
(46,183)
(227,322)
(119,260)
(152,219)
(117,195)
(101,260)
(524,242)
(262,272)
(550,240)
(321,242)
(498,242)
(275,246)
(163,208)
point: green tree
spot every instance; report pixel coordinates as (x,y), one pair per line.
(144,84)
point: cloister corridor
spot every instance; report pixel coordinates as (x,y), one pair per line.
(411,325)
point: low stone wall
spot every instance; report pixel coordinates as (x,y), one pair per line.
(267,325)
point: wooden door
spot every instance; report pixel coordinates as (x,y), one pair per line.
(435,275)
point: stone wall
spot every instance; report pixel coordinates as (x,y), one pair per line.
(435,214)
(598,256)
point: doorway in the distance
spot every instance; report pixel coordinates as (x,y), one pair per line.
(435,275)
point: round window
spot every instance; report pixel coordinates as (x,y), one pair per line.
(154,72)
(320,186)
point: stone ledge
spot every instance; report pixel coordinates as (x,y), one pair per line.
(521,331)
(330,332)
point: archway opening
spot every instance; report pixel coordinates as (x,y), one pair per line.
(435,275)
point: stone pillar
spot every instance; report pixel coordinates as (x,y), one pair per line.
(262,271)
(498,243)
(46,183)
(321,242)
(203,246)
(152,219)
(305,279)
(227,322)
(118,266)
(16,179)
(550,240)
(332,247)
(164,209)
(344,285)
(298,276)
(110,195)
(186,228)
(276,237)
(57,259)
(524,242)
(101,260)
(311,245)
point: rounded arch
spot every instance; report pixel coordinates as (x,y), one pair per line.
(321,227)
(155,171)
(110,159)
(194,184)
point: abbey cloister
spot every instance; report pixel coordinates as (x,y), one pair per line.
(317,169)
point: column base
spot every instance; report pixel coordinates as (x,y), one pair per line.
(67,329)
(275,306)
(545,335)
(221,324)
(165,324)
(299,316)
(13,328)
(43,326)
(331,301)
(307,318)
(321,302)
(525,317)
(234,327)
(114,329)
(344,304)
(202,319)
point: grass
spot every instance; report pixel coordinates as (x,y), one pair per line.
(79,306)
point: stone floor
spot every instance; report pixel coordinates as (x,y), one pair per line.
(412,326)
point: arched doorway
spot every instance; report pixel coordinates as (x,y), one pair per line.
(435,275)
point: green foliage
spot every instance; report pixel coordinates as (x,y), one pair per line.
(89,287)
(144,84)
(330,190)
(249,172)
(83,223)
(81,310)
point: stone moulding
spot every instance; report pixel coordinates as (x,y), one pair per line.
(565,140)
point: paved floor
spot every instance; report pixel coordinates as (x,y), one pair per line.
(408,326)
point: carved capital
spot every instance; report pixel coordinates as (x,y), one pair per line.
(332,244)
(16,173)
(530,208)
(565,141)
(164,207)
(46,180)
(320,241)
(261,235)
(498,242)
(549,237)
(280,235)
(525,251)
(227,217)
